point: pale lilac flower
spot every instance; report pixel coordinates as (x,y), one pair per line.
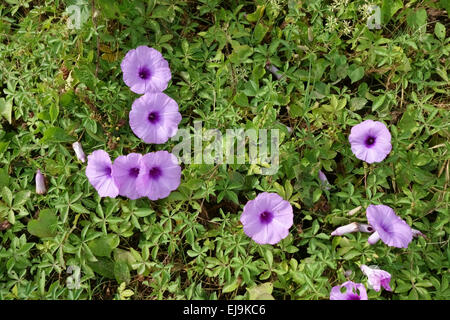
(370,141)
(416,233)
(267,218)
(349,228)
(154,117)
(389,227)
(99,174)
(353,291)
(145,70)
(159,175)
(125,172)
(352,227)
(40,183)
(377,278)
(79,151)
(323,179)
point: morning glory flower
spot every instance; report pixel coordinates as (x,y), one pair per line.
(353,291)
(145,70)
(352,227)
(154,117)
(159,175)
(40,183)
(267,218)
(370,141)
(99,173)
(323,179)
(79,151)
(389,227)
(125,172)
(377,278)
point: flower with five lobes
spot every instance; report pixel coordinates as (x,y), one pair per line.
(145,70)
(370,141)
(154,117)
(267,218)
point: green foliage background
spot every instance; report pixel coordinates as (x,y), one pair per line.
(60,84)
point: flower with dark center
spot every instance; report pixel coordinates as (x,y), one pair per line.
(370,141)
(126,170)
(99,172)
(349,291)
(267,218)
(160,174)
(145,70)
(154,117)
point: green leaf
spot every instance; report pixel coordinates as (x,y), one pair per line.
(439,30)
(259,32)
(355,73)
(6,109)
(54,112)
(389,8)
(261,292)
(255,16)
(122,272)
(56,134)
(21,197)
(7,196)
(103,246)
(45,225)
(231,286)
(103,266)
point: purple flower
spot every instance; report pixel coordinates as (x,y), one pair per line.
(377,278)
(125,172)
(40,183)
(370,141)
(160,174)
(79,151)
(349,228)
(267,218)
(145,70)
(323,179)
(389,227)
(353,291)
(99,173)
(154,117)
(352,227)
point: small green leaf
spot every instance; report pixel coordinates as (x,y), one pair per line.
(355,73)
(56,134)
(439,30)
(45,225)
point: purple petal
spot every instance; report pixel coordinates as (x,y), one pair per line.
(349,228)
(370,141)
(377,278)
(145,70)
(154,118)
(160,174)
(40,183)
(125,172)
(392,230)
(354,291)
(99,174)
(79,151)
(267,218)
